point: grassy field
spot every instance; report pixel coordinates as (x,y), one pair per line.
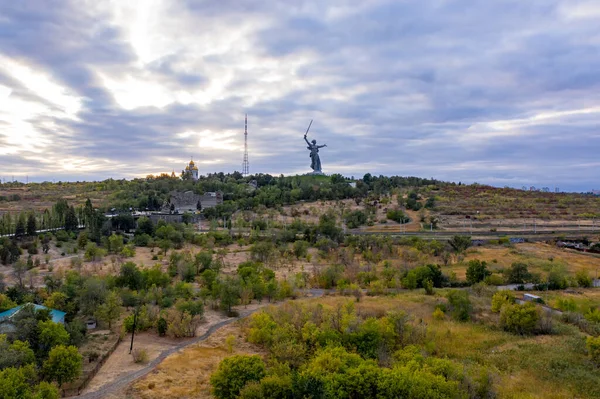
(540,258)
(187,373)
(547,366)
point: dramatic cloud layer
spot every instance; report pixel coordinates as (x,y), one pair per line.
(501,92)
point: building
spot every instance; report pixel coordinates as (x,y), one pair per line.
(188,201)
(191,171)
(211,199)
(6,317)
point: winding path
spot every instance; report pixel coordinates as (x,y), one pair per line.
(128,378)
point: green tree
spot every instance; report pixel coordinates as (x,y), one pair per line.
(229,293)
(20,227)
(15,382)
(64,364)
(82,240)
(115,243)
(71,223)
(460,243)
(130,276)
(234,373)
(517,273)
(31,225)
(145,226)
(301,248)
(16,354)
(477,271)
(51,334)
(92,294)
(6,303)
(110,310)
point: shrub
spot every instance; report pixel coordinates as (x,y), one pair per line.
(397,216)
(502,298)
(140,355)
(566,305)
(593,347)
(460,305)
(583,279)
(519,319)
(517,273)
(593,315)
(438,314)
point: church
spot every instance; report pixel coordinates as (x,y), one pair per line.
(191,170)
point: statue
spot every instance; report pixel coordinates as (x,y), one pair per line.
(315,161)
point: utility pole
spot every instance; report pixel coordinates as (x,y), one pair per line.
(134,325)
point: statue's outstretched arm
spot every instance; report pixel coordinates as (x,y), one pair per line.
(321,146)
(305,139)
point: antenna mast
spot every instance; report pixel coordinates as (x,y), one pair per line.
(245,163)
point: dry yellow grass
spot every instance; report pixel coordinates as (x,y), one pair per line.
(186,374)
(539,256)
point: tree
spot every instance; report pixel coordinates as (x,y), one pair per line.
(145,226)
(51,334)
(229,293)
(19,270)
(71,223)
(20,226)
(397,216)
(517,273)
(115,243)
(17,354)
(460,243)
(300,248)
(130,276)
(14,382)
(477,271)
(6,303)
(31,225)
(234,373)
(203,261)
(64,364)
(92,294)
(355,219)
(110,310)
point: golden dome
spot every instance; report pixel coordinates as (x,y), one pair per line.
(192,163)
(194,168)
(187,168)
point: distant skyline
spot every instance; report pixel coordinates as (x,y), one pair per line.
(505,93)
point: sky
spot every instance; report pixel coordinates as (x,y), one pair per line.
(503,92)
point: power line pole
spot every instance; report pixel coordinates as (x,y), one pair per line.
(245,163)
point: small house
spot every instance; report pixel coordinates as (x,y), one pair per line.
(6,317)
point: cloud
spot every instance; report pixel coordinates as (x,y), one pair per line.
(501,92)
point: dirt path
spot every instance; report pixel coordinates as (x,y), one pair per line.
(128,377)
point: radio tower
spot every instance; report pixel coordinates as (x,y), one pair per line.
(245,164)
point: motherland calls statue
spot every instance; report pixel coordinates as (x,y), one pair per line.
(315,161)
